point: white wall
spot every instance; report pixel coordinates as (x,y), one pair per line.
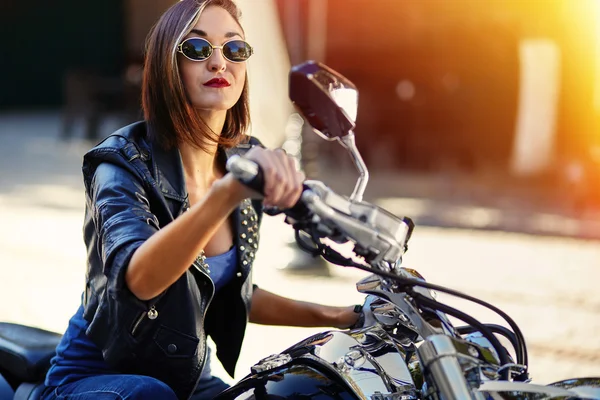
(267,70)
(539,90)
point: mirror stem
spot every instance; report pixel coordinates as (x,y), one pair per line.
(350,144)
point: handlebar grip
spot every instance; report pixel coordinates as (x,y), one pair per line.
(251,174)
(248,172)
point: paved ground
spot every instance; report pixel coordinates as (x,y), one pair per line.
(485,200)
(549,285)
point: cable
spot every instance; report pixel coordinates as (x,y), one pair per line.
(336,258)
(487,333)
(521,350)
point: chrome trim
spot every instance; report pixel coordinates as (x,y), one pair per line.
(270,363)
(349,144)
(493,387)
(394,396)
(368,360)
(440,361)
(378,235)
(409,310)
(488,351)
(586,387)
(410,315)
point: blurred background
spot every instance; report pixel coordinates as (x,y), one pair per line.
(477,118)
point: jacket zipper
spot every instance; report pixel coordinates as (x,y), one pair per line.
(152,314)
(203,271)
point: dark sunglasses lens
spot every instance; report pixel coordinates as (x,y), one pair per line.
(237,51)
(196,49)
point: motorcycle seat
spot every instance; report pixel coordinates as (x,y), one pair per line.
(25,352)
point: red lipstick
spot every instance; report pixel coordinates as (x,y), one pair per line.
(217,83)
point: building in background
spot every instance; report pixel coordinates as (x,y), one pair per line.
(86,59)
(42,41)
(463,85)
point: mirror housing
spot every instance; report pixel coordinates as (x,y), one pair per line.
(329,103)
(325,98)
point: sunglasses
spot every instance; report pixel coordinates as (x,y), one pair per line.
(199,49)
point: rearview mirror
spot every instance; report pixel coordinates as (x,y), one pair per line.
(329,103)
(325,98)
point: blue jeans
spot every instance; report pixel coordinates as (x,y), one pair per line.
(128,387)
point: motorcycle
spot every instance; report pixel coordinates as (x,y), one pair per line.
(404,348)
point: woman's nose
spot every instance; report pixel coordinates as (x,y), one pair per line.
(217,62)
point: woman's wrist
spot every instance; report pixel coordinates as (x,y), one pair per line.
(229,191)
(343,317)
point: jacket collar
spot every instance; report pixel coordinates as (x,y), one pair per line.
(168,170)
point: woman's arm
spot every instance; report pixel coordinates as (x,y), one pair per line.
(167,254)
(271,309)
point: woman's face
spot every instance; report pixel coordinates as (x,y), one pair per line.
(214,84)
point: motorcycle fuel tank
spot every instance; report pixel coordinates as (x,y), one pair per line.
(344,365)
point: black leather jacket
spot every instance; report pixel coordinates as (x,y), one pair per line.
(133,189)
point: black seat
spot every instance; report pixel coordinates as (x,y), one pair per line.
(25,352)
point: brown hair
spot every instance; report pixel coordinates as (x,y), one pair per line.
(170,115)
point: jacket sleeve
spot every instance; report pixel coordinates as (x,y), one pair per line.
(257,203)
(123,221)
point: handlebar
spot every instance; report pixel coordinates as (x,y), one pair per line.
(251,174)
(247,171)
(379,236)
(381,239)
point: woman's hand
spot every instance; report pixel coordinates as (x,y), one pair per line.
(283,182)
(347,317)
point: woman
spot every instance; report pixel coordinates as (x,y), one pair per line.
(159,200)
